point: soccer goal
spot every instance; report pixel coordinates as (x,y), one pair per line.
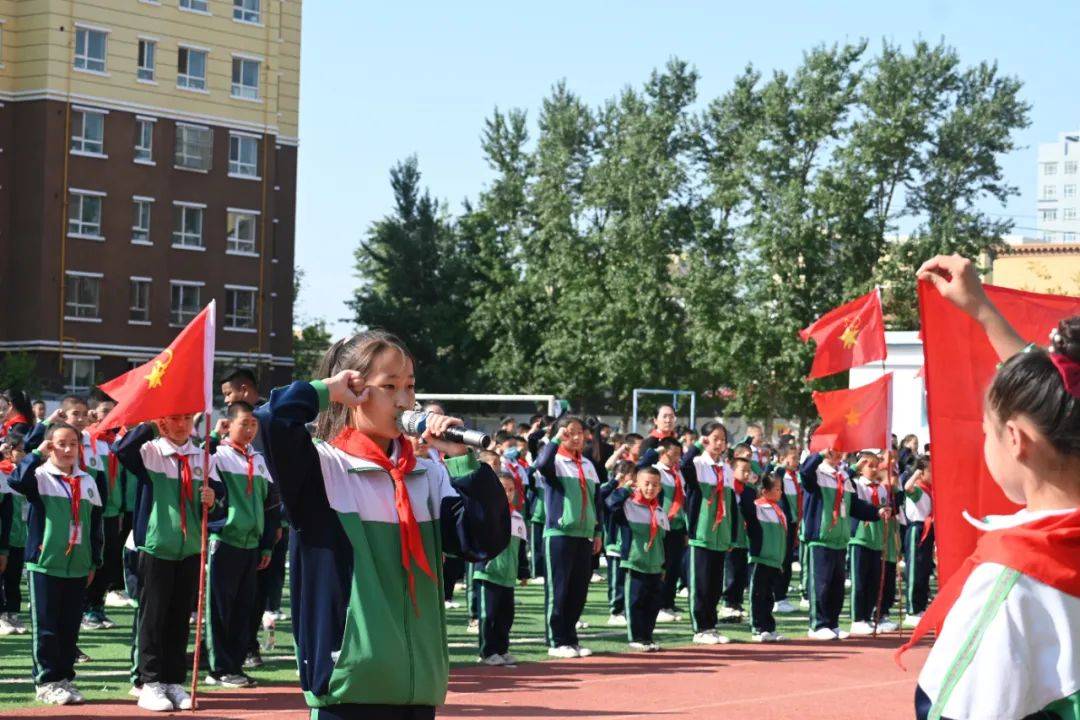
(675,396)
(555,406)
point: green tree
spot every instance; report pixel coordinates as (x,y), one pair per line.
(19,370)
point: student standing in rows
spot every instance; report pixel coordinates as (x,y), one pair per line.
(496,579)
(622,474)
(736,561)
(866,545)
(788,474)
(64,548)
(675,539)
(13,515)
(766,526)
(918,539)
(571,533)
(709,525)
(16,415)
(640,521)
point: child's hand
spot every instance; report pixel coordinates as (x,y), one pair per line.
(347,388)
(264,562)
(90,577)
(3,563)
(45,447)
(436,426)
(221,428)
(955,278)
(207,497)
(885,513)
(597,546)
(56,416)
(523,582)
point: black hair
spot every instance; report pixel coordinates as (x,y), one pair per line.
(742,447)
(1029,384)
(631,438)
(648,470)
(20,402)
(506,419)
(768,481)
(567,421)
(57,426)
(503,475)
(708,428)
(501,436)
(736,460)
(240,373)
(68,400)
(668,443)
(238,407)
(922,462)
(623,467)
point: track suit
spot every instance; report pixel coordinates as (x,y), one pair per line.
(918,548)
(864,552)
(104,465)
(709,525)
(828,503)
(14,512)
(496,579)
(537,519)
(571,502)
(616,573)
(60,555)
(792,504)
(675,539)
(168,536)
(767,529)
(642,557)
(237,543)
(363,647)
(736,562)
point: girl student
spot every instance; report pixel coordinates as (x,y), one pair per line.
(371,521)
(1008,621)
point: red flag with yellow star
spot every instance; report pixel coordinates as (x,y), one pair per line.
(855,419)
(848,336)
(178,381)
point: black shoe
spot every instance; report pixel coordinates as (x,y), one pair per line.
(254,660)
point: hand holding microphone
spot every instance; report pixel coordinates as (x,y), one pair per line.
(442,431)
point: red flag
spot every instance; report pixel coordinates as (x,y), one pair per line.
(852,420)
(848,336)
(177,381)
(959,364)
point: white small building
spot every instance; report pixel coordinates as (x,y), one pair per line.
(1057,190)
(908,402)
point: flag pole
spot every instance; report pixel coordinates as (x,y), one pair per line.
(888,523)
(202,570)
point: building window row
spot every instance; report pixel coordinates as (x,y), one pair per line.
(91,55)
(82,301)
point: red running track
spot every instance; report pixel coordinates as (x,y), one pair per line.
(805,680)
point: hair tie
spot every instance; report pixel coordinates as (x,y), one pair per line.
(1069,370)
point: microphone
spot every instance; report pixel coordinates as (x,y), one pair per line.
(414,422)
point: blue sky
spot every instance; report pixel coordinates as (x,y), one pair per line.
(381,81)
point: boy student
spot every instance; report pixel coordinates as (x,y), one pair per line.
(640,521)
(240,545)
(829,501)
(63,550)
(767,528)
(571,533)
(674,501)
(622,474)
(495,581)
(13,514)
(736,568)
(866,544)
(709,527)
(918,539)
(168,514)
(787,473)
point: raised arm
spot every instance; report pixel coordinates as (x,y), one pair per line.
(808,471)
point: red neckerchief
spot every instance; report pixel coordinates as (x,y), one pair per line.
(794,477)
(519,487)
(250,457)
(680,494)
(187,489)
(108,437)
(659,435)
(929,521)
(7,466)
(356,443)
(718,496)
(12,422)
(1045,550)
(874,499)
(653,505)
(838,499)
(776,509)
(74,483)
(576,457)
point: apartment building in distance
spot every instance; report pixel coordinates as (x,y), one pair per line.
(148,156)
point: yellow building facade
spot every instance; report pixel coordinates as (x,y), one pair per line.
(1052,268)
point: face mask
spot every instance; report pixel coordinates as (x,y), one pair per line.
(511,454)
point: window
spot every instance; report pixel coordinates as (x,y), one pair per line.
(187,226)
(1070,167)
(1069,214)
(202,6)
(147,54)
(194,147)
(1049,192)
(87,132)
(82,296)
(1050,168)
(246,11)
(90,49)
(84,214)
(1069,191)
(239,307)
(191,69)
(139,303)
(1069,237)
(245,78)
(79,374)
(1047,236)
(1048,215)
(243,155)
(140,225)
(144,141)
(185,304)
(240,232)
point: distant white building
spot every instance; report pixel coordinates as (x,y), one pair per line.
(905,362)
(1056,192)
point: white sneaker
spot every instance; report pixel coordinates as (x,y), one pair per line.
(821,634)
(473,628)
(911,621)
(706,638)
(178,696)
(53,693)
(581,625)
(638,646)
(537,580)
(617,620)
(764,637)
(509,659)
(777,637)
(451,605)
(861,628)
(76,696)
(654,647)
(796,566)
(135,691)
(563,651)
(459,586)
(887,626)
(596,578)
(117,598)
(783,607)
(666,616)
(727,613)
(684,593)
(492,660)
(6,628)
(582,651)
(804,604)
(16,623)
(841,634)
(153,698)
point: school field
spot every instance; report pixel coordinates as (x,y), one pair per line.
(855,678)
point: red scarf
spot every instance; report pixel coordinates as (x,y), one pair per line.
(929,521)
(680,494)
(794,477)
(7,466)
(358,444)
(12,422)
(1045,550)
(108,437)
(576,457)
(250,457)
(776,509)
(659,435)
(838,499)
(875,499)
(718,496)
(653,505)
(187,489)
(74,483)
(519,487)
